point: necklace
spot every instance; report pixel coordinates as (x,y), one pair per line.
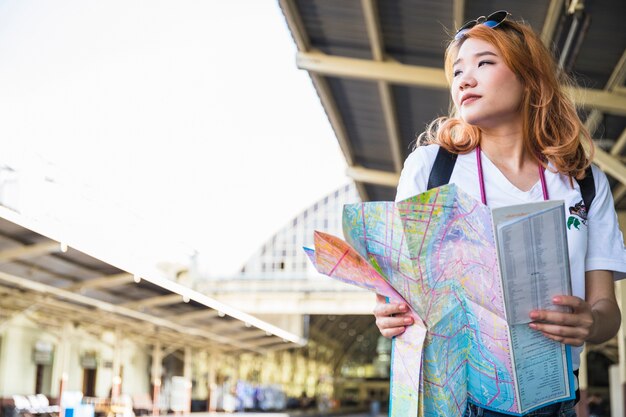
(481,180)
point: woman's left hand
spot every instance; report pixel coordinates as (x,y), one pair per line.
(573,328)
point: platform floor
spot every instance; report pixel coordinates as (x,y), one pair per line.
(278,414)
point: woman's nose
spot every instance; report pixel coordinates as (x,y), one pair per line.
(466,81)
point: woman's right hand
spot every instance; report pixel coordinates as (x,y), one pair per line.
(391,318)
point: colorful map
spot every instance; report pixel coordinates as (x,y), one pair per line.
(436,252)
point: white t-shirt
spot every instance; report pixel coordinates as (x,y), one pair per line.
(600,226)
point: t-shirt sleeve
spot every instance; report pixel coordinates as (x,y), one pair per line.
(414,176)
(605,247)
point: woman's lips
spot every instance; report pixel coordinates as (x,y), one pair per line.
(469,100)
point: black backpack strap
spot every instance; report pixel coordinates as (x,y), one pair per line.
(587,188)
(442,168)
(444,164)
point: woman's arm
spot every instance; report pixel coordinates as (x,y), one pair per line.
(595,320)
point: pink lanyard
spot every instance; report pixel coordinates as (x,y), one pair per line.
(481,180)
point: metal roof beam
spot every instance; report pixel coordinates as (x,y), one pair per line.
(194,315)
(392,72)
(617,148)
(53,313)
(25,312)
(296,27)
(384,90)
(161,300)
(334,116)
(227,325)
(610,165)
(391,124)
(595,116)
(29,251)
(298,31)
(372,176)
(262,342)
(336,121)
(618,75)
(321,64)
(616,80)
(458,13)
(373,29)
(611,162)
(252,334)
(106,281)
(123,311)
(552,19)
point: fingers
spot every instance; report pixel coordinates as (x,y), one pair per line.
(574,336)
(570,328)
(393,326)
(384,309)
(391,318)
(392,332)
(381,299)
(560,318)
(574,302)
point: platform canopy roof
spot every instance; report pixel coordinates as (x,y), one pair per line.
(377,67)
(52,282)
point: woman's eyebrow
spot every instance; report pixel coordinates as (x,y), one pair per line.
(478,54)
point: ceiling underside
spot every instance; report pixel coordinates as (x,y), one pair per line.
(377,67)
(52,284)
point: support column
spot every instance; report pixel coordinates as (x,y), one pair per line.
(157,358)
(65,347)
(212,381)
(116,383)
(188,377)
(583,383)
(620,291)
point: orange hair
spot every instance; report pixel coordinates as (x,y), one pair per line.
(553,132)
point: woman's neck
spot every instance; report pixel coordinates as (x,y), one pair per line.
(506,150)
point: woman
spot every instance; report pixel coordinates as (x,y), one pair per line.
(518,139)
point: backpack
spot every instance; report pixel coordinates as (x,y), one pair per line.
(444,164)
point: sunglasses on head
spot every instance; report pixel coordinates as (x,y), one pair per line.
(492,21)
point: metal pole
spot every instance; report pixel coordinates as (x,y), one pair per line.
(621,345)
(117,365)
(156,377)
(64,353)
(187,375)
(583,384)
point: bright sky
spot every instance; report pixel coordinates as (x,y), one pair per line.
(185,122)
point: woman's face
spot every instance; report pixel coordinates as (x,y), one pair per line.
(485,91)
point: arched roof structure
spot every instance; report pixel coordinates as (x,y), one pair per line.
(283,253)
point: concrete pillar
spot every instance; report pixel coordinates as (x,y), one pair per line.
(116,383)
(212,381)
(620,291)
(157,358)
(187,375)
(583,383)
(617,405)
(62,361)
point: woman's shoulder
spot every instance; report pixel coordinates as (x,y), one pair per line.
(599,177)
(417,167)
(423,154)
